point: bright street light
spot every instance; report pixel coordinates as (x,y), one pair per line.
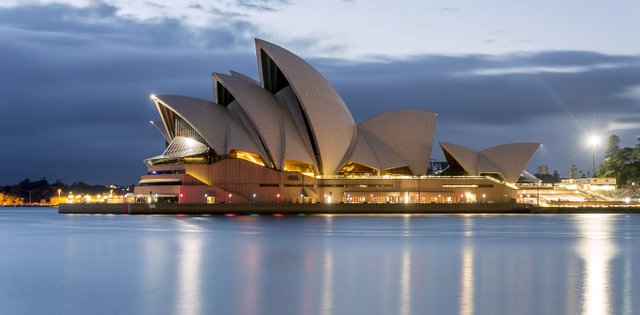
(593,141)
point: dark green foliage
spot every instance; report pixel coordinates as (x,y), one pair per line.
(548,178)
(621,163)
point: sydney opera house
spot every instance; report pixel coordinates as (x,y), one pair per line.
(291,138)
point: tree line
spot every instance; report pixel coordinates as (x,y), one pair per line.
(622,163)
(38,190)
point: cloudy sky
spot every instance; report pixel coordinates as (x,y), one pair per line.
(76,75)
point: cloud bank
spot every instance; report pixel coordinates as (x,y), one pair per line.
(77,79)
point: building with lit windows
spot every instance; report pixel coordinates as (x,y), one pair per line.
(291,138)
(543,170)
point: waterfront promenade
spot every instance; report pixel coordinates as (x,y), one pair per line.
(323,208)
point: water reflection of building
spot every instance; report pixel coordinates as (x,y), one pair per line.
(405,271)
(189,287)
(405,282)
(251,261)
(467,291)
(291,138)
(326,306)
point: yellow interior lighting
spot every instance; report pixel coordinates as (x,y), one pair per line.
(247,156)
(298,166)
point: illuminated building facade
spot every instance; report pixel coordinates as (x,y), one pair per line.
(291,138)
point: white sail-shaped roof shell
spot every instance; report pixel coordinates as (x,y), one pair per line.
(262,110)
(213,122)
(240,115)
(244,76)
(384,154)
(509,159)
(467,158)
(329,119)
(408,133)
(363,153)
(297,139)
(273,124)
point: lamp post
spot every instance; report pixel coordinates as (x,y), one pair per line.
(593,141)
(538,194)
(59,191)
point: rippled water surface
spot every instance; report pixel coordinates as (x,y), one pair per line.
(431,264)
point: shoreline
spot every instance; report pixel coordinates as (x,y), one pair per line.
(333,209)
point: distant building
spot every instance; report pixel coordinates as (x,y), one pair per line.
(543,169)
(574,171)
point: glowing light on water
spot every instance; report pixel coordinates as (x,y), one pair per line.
(189,295)
(467,273)
(405,282)
(597,250)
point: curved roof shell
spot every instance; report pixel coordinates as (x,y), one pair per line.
(263,112)
(408,133)
(240,115)
(331,126)
(467,158)
(511,159)
(508,159)
(212,121)
(245,77)
(387,158)
(363,153)
(274,126)
(300,148)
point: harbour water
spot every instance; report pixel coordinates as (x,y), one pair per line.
(427,264)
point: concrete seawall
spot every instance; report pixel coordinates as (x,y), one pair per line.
(321,208)
(578,210)
(289,209)
(93,208)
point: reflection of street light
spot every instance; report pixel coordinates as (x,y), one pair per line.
(593,141)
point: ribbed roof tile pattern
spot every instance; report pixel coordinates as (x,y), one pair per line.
(212,121)
(363,153)
(512,158)
(263,111)
(467,158)
(509,159)
(408,132)
(329,118)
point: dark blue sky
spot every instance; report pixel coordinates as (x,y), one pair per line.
(76,78)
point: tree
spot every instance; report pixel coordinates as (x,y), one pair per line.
(621,163)
(556,176)
(548,178)
(611,165)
